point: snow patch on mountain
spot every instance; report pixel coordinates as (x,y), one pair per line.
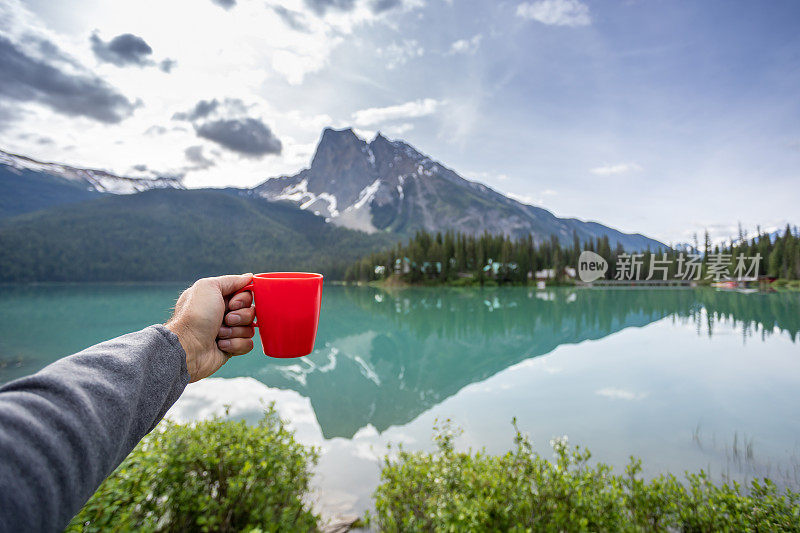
(370,155)
(366,195)
(97,180)
(358,216)
(295,193)
(331,199)
(320,204)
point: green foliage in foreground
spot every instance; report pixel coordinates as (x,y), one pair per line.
(521,491)
(217,475)
(224,475)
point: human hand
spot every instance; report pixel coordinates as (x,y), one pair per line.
(211,325)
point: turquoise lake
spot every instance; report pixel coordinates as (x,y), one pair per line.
(684,379)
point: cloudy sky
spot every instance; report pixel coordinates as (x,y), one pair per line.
(653,116)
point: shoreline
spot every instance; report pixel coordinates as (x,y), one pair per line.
(781,285)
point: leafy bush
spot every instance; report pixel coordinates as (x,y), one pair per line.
(216,475)
(521,491)
(464,282)
(793,284)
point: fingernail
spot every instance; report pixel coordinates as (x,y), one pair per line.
(234,305)
(224,331)
(234,319)
(224,344)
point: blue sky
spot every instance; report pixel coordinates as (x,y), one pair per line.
(661,117)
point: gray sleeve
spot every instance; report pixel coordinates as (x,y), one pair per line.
(67,427)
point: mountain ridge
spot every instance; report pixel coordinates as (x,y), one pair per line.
(28,185)
(100,180)
(384,185)
(388,185)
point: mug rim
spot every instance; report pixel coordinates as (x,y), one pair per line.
(287,275)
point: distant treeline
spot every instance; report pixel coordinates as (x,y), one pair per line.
(458,258)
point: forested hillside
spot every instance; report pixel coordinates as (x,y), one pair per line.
(23,191)
(174,235)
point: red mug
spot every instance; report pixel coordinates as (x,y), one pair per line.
(287,311)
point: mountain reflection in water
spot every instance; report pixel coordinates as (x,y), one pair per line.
(382,358)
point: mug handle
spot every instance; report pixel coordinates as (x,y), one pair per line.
(248,287)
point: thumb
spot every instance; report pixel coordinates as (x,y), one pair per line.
(232,283)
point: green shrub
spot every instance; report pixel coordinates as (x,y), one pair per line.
(216,475)
(521,491)
(463,282)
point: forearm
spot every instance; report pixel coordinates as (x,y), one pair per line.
(66,428)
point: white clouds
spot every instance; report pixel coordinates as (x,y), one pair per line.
(377,115)
(613,170)
(723,232)
(294,66)
(461,116)
(488,177)
(522,198)
(397,54)
(399,129)
(571,13)
(620,394)
(222,54)
(530,199)
(392,131)
(466,46)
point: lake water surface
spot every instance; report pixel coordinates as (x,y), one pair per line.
(684,379)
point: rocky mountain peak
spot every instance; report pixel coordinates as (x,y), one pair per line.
(334,144)
(379,139)
(388,185)
(343,166)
